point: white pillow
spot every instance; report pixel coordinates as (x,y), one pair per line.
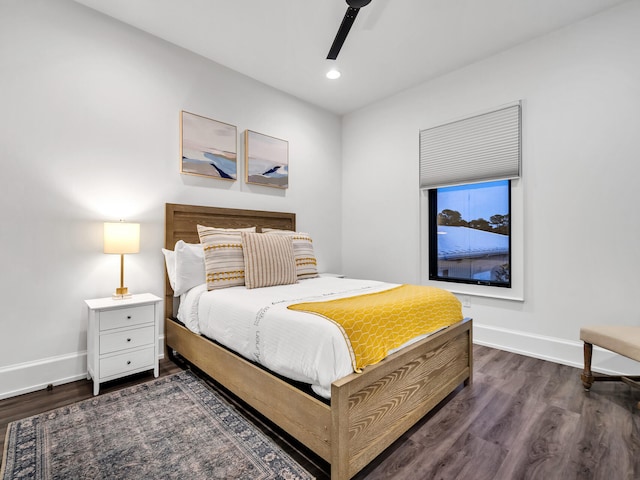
(170,262)
(186,265)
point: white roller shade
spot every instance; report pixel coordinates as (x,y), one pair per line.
(476,149)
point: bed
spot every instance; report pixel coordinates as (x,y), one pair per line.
(367,412)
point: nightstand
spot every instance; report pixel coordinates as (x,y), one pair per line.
(122,337)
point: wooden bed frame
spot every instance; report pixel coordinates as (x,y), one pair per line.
(368,411)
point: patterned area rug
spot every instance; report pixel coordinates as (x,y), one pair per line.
(172,427)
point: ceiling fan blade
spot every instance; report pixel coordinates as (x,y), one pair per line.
(343,31)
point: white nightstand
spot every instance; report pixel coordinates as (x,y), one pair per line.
(122,337)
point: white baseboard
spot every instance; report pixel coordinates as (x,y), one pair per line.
(36,375)
(558,350)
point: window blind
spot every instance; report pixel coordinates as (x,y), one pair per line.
(476,149)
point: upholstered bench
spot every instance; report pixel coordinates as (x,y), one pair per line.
(623,340)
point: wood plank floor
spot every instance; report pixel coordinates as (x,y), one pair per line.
(522,418)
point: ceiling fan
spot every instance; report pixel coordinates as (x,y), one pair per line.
(349,17)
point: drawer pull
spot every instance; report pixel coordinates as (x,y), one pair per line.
(128,362)
(128,339)
(128,317)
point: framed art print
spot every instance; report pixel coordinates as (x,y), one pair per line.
(266,160)
(208,147)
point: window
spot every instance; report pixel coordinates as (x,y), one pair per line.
(470,233)
(472,201)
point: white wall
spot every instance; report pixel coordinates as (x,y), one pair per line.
(89,127)
(580,88)
(89,133)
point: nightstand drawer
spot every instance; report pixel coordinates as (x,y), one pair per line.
(127,362)
(113,342)
(126,317)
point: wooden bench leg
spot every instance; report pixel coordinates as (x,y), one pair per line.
(587,376)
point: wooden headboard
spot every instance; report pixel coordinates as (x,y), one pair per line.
(181,223)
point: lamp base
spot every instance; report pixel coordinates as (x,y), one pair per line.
(121,297)
(122,293)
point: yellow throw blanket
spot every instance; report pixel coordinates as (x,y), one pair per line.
(375,323)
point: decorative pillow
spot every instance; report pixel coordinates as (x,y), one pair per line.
(223,258)
(268,260)
(185,266)
(306,264)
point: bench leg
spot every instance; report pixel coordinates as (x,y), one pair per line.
(587,376)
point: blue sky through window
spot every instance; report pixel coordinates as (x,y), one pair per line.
(481,200)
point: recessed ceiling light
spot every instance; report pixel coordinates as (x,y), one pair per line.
(333,74)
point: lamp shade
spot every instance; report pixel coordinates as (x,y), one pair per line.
(121,237)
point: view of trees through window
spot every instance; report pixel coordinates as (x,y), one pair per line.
(495,224)
(469,239)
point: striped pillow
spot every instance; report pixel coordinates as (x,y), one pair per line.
(223,258)
(306,263)
(268,260)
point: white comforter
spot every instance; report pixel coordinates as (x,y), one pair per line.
(257,324)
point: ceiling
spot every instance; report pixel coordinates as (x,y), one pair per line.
(393,44)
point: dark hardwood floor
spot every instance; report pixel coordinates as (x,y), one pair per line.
(522,418)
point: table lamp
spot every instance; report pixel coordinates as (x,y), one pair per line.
(121,238)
